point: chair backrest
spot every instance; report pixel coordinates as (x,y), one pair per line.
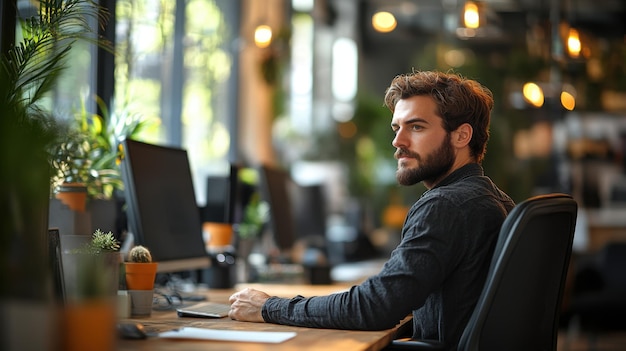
(520,303)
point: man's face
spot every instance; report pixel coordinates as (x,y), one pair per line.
(423,147)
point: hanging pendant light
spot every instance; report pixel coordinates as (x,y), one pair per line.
(471,15)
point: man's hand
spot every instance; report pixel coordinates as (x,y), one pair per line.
(246,305)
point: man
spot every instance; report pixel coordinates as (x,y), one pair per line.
(441,126)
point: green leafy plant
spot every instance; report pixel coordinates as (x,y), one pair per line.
(85,149)
(90,153)
(254,217)
(33,66)
(69,159)
(29,70)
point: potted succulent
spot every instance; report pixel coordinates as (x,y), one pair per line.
(140,271)
(92,268)
(140,274)
(91,273)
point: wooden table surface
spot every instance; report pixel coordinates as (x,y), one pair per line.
(305,339)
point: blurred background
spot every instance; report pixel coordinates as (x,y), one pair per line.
(298,85)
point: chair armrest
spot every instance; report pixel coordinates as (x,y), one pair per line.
(408,344)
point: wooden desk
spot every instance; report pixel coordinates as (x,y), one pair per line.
(306,338)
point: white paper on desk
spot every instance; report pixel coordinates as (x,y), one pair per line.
(228,335)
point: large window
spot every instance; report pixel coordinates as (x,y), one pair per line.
(76,84)
(173,66)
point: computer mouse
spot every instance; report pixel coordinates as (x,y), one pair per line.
(131,330)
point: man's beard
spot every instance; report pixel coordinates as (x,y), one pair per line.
(432,168)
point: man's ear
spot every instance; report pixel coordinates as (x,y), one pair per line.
(462,135)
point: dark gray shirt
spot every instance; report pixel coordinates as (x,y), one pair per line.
(436,272)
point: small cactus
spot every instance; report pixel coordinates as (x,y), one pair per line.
(139,254)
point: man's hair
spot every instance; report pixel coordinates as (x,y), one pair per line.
(459,100)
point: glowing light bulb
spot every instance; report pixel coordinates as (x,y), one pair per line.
(471,18)
(533,94)
(384,22)
(568,100)
(263,36)
(573,43)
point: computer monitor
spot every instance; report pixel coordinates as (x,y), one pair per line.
(274,188)
(216,207)
(222,198)
(309,213)
(161,206)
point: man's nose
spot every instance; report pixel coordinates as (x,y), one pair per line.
(399,140)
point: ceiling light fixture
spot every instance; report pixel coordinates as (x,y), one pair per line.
(573,43)
(471,15)
(263,36)
(384,22)
(533,94)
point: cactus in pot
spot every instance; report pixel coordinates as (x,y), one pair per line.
(140,269)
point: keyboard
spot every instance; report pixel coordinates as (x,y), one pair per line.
(204,309)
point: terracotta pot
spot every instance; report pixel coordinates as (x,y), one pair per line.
(140,276)
(219,234)
(74,195)
(89,325)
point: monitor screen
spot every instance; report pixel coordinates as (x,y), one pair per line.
(222,198)
(274,187)
(309,210)
(161,206)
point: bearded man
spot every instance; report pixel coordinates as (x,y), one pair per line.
(437,271)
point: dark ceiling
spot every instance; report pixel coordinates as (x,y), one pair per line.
(507,19)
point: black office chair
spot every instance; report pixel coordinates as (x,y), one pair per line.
(520,304)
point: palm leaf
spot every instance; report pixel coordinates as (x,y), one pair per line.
(33,66)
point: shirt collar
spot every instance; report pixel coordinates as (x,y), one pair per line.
(469,170)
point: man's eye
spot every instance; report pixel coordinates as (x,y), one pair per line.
(416,127)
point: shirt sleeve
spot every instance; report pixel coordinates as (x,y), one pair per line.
(414,270)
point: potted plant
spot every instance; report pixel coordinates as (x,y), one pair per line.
(140,274)
(86,169)
(90,153)
(91,269)
(140,271)
(28,72)
(71,165)
(91,273)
